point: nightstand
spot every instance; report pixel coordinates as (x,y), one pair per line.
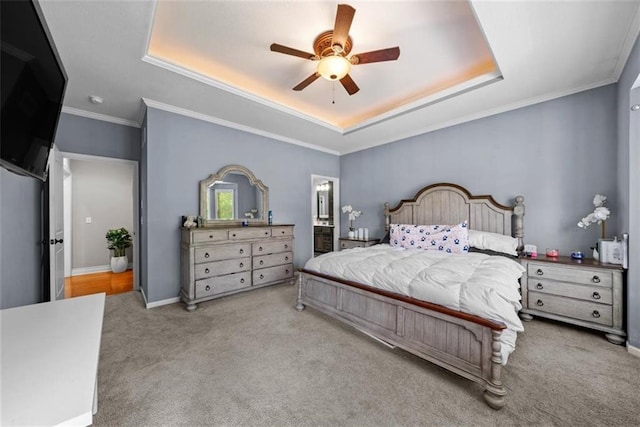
(581,292)
(347,243)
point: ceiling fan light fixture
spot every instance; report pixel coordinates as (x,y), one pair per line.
(334,67)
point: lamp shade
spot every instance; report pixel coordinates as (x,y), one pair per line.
(334,67)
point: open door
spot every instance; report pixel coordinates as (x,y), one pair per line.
(56,225)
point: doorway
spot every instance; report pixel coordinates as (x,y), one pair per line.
(99,193)
(325,214)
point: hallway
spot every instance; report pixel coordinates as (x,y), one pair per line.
(107,282)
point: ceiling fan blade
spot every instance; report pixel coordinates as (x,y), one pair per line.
(390,54)
(306,82)
(350,86)
(344,17)
(275,47)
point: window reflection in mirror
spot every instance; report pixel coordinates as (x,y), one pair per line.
(234,194)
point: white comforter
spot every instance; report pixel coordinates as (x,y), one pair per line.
(473,283)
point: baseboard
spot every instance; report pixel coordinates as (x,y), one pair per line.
(95,269)
(635,351)
(90,270)
(148,304)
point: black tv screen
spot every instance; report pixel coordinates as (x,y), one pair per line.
(33,85)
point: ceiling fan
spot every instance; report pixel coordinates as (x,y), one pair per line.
(331,49)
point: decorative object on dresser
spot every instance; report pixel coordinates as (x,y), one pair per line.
(119,240)
(226,257)
(353,214)
(582,292)
(599,215)
(349,243)
(467,344)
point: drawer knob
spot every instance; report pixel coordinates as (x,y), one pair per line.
(211,236)
(595,279)
(260,249)
(539,286)
(539,302)
(262,276)
(286,258)
(206,255)
(286,271)
(207,288)
(206,270)
(596,295)
(261,262)
(282,231)
(595,314)
(286,246)
(241,251)
(233,235)
(242,264)
(242,280)
(539,272)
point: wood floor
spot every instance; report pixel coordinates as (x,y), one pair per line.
(108,282)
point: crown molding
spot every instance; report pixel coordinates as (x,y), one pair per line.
(102,117)
(627,46)
(199,116)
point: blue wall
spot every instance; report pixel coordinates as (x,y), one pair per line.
(20,248)
(181,151)
(557,154)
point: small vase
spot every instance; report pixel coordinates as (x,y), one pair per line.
(119,264)
(352,234)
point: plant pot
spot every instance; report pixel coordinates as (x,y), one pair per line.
(119,264)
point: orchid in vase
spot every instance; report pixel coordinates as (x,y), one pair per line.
(353,214)
(599,215)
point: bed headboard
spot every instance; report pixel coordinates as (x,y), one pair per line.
(446,203)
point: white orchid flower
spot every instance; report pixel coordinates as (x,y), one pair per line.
(599,200)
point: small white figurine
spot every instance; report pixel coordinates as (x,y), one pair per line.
(190,222)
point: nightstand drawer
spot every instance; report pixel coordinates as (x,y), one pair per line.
(563,306)
(587,293)
(599,277)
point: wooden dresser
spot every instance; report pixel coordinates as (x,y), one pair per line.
(223,260)
(347,243)
(581,292)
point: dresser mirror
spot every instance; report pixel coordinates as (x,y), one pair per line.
(233,195)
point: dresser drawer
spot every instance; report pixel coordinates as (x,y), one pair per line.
(585,276)
(222,284)
(216,253)
(249,233)
(219,268)
(264,248)
(264,261)
(563,306)
(582,292)
(281,231)
(210,236)
(272,274)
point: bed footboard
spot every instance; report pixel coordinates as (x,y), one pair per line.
(458,344)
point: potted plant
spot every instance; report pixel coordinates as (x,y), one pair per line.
(118,241)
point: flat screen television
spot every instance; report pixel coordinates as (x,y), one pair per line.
(33,86)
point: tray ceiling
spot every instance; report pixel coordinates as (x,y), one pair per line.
(459,61)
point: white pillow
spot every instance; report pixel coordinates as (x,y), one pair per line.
(493,242)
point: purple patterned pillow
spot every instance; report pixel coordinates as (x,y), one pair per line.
(453,239)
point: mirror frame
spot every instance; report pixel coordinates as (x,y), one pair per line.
(211,179)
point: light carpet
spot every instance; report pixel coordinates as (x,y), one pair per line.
(252,360)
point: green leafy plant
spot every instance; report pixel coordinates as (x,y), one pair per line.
(118,240)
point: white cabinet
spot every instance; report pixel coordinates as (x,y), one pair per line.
(224,260)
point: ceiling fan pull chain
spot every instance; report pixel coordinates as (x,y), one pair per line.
(333,92)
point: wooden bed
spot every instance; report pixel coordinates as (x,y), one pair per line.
(459,342)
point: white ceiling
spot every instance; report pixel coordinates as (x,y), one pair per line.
(459,61)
